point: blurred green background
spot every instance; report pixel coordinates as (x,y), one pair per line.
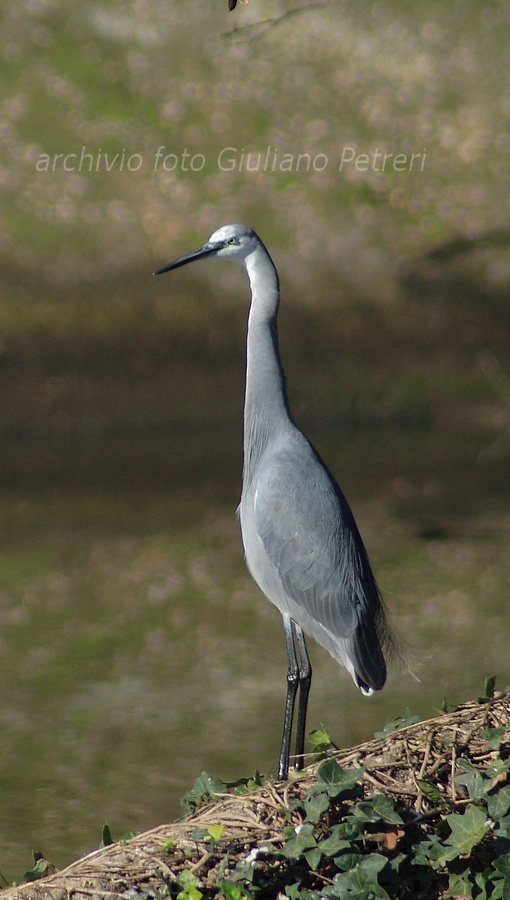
(368,144)
(121,122)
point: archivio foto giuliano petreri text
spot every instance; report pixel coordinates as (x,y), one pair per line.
(232,159)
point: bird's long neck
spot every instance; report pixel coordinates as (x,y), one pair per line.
(266,412)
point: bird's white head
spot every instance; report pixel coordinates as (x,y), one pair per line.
(236,242)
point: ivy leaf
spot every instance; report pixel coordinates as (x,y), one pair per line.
(40,869)
(482,880)
(303,840)
(205,788)
(296,892)
(336,841)
(245,785)
(313,857)
(319,740)
(361,882)
(502,865)
(434,853)
(407,718)
(337,780)
(378,808)
(425,851)
(467,830)
(459,885)
(315,805)
(497,771)
(348,861)
(475,781)
(494,736)
(499,804)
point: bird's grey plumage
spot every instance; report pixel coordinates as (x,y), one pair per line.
(301,542)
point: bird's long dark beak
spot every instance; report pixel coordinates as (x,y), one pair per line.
(202,252)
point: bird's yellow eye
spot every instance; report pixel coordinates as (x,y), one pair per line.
(232,240)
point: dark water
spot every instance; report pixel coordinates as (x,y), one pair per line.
(136,652)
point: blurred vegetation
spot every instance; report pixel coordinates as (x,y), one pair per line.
(113,83)
(116,124)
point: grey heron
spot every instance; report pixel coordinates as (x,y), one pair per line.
(301,542)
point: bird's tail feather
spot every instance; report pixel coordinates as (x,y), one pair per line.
(374,643)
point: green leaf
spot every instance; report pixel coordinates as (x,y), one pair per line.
(494,736)
(205,788)
(303,840)
(434,853)
(337,780)
(245,867)
(430,790)
(211,835)
(482,880)
(475,781)
(504,828)
(348,861)
(296,892)
(337,840)
(215,831)
(232,891)
(319,741)
(378,809)
(502,865)
(126,836)
(497,768)
(316,804)
(198,834)
(313,857)
(467,830)
(396,724)
(499,804)
(40,869)
(426,851)
(187,879)
(361,881)
(329,772)
(396,860)
(106,836)
(191,893)
(466,764)
(459,885)
(489,685)
(246,785)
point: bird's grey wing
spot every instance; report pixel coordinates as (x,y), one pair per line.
(309,538)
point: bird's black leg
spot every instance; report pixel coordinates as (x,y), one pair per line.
(292,686)
(305,680)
